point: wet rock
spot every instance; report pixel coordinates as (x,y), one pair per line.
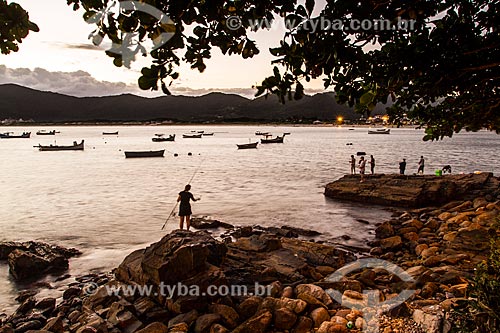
(28,326)
(154,328)
(391,243)
(54,325)
(217,328)
(302,232)
(248,308)
(230,317)
(204,223)
(314,291)
(284,319)
(187,318)
(120,314)
(319,316)
(205,322)
(257,324)
(304,325)
(71,292)
(471,240)
(296,305)
(331,327)
(385,230)
(258,243)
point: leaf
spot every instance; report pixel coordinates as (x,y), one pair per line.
(367,98)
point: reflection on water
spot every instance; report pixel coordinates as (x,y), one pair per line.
(106,205)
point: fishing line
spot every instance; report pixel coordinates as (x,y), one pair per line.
(190,180)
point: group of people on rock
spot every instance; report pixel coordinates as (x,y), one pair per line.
(362,166)
(402,166)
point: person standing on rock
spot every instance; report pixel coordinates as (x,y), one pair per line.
(372,164)
(421,165)
(402,167)
(362,167)
(185,207)
(353,165)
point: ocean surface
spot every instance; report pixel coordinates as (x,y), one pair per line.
(107,206)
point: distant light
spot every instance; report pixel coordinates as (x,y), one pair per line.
(340,119)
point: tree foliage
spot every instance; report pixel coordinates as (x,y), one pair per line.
(443,71)
(14,26)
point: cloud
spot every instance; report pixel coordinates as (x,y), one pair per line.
(82,84)
(79,83)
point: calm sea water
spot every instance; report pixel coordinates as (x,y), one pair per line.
(107,206)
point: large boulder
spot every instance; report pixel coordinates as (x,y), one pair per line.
(411,190)
(32,260)
(181,256)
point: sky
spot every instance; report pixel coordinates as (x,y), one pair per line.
(61,58)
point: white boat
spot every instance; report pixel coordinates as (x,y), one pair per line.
(380,131)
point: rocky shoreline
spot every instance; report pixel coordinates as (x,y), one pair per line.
(438,247)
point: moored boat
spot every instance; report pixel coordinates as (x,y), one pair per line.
(277,139)
(207,134)
(161,138)
(9,135)
(380,131)
(192,136)
(75,146)
(44,132)
(138,154)
(262,133)
(248,145)
(110,133)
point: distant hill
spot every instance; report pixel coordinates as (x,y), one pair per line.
(21,102)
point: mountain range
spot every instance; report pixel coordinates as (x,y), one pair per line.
(21,102)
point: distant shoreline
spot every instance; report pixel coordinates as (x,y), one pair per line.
(271,124)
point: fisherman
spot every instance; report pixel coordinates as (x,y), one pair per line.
(185,207)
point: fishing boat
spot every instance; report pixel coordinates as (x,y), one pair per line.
(9,135)
(192,136)
(248,145)
(162,138)
(207,134)
(380,131)
(138,154)
(44,132)
(277,139)
(75,146)
(110,133)
(262,133)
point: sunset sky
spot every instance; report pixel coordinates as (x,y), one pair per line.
(60,58)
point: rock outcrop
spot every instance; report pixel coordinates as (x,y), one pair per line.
(413,191)
(31,260)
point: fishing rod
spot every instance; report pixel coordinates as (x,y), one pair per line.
(190,180)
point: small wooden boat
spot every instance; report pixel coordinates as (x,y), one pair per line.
(380,131)
(207,134)
(110,133)
(192,136)
(9,135)
(44,132)
(262,133)
(161,138)
(75,146)
(277,139)
(138,154)
(248,145)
